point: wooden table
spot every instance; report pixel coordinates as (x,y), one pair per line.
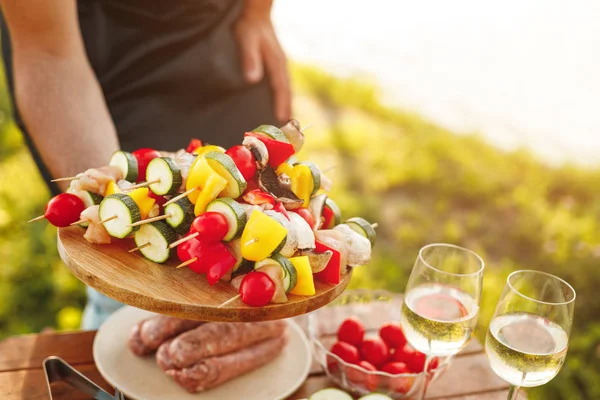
(21,375)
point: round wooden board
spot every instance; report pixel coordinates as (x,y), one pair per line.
(132,279)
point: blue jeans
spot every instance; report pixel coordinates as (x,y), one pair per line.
(98,309)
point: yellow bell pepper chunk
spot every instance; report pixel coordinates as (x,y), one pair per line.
(203,177)
(305,285)
(200,151)
(261,236)
(144,202)
(302,183)
(285,168)
(111,188)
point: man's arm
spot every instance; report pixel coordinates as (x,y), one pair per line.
(56,92)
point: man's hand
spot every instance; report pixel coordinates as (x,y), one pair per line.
(260,51)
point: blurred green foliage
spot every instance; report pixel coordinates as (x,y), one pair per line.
(420,182)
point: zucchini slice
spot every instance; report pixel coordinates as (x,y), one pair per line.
(124,208)
(160,236)
(233,212)
(272,132)
(362,227)
(181,215)
(223,165)
(167,172)
(330,394)
(337,214)
(290,276)
(127,163)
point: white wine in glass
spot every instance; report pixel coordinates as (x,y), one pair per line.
(441,301)
(528,336)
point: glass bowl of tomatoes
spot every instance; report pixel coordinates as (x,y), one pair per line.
(358,342)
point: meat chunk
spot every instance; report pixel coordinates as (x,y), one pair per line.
(94,180)
(95,233)
(214,371)
(216,338)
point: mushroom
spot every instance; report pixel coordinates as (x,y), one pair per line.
(258,150)
(270,183)
(315,207)
(292,132)
(318,261)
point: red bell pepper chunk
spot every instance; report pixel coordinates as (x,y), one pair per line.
(328,218)
(193,249)
(278,151)
(331,273)
(257,197)
(194,144)
(281,209)
(220,261)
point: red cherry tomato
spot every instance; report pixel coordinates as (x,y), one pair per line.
(143,157)
(351,331)
(306,215)
(257,289)
(346,352)
(244,160)
(398,384)
(375,351)
(210,226)
(415,360)
(193,249)
(64,209)
(392,335)
(194,144)
(365,379)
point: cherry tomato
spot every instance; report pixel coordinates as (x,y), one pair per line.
(194,144)
(375,351)
(415,360)
(351,331)
(190,249)
(304,213)
(143,157)
(210,226)
(346,352)
(220,261)
(64,209)
(257,289)
(392,335)
(398,384)
(244,160)
(358,377)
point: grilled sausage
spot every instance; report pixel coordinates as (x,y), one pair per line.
(214,371)
(215,338)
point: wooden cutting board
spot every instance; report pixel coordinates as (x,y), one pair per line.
(132,279)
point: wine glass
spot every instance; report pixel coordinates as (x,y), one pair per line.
(528,337)
(441,301)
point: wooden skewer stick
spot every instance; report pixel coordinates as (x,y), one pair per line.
(77,222)
(306,127)
(183,240)
(231,300)
(188,262)
(65,179)
(108,219)
(181,196)
(328,168)
(148,220)
(143,184)
(251,241)
(140,247)
(37,218)
(375,225)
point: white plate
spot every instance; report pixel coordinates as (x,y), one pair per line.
(140,378)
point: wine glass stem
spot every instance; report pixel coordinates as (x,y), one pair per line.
(513,392)
(425,377)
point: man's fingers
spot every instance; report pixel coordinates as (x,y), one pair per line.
(276,65)
(252,64)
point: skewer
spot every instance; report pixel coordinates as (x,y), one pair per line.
(328,168)
(37,218)
(181,196)
(231,300)
(77,222)
(251,241)
(143,184)
(108,219)
(65,179)
(188,262)
(148,220)
(140,247)
(183,240)
(306,127)
(375,225)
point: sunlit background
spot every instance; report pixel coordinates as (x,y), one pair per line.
(464,122)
